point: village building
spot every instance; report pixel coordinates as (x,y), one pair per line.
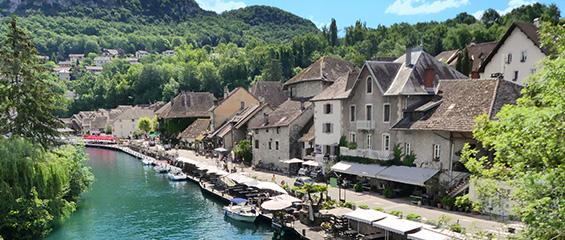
(132,60)
(64,64)
(192,136)
(75,58)
(276,134)
(43,59)
(169,52)
(176,115)
(449,57)
(270,92)
(102,60)
(233,102)
(328,119)
(64,73)
(516,56)
(94,69)
(125,124)
(436,130)
(112,53)
(316,77)
(141,53)
(476,52)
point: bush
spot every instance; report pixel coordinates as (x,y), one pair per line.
(364,206)
(352,145)
(414,217)
(243,150)
(388,192)
(380,209)
(349,205)
(329,204)
(447,201)
(358,187)
(456,228)
(463,202)
(396,213)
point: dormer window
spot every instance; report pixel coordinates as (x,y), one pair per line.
(369,85)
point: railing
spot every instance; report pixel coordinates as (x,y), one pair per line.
(365,124)
(323,158)
(367,153)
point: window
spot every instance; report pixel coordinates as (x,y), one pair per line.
(327,128)
(266,130)
(352,113)
(256,131)
(278,130)
(241,105)
(407,149)
(270,145)
(353,137)
(369,142)
(256,144)
(436,152)
(515,76)
(369,112)
(386,142)
(509,58)
(328,108)
(386,112)
(328,149)
(276,145)
(369,85)
(524,56)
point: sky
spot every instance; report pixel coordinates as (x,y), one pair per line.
(375,12)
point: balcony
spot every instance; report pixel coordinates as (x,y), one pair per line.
(367,153)
(365,125)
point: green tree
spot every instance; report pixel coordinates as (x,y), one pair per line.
(243,150)
(490,17)
(145,125)
(333,34)
(28,96)
(527,139)
(464,64)
(170,89)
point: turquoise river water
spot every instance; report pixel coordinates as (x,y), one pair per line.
(129,201)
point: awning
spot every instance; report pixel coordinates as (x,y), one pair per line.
(286,197)
(311,163)
(365,215)
(294,160)
(358,169)
(409,175)
(396,225)
(238,178)
(271,186)
(275,205)
(425,234)
(338,212)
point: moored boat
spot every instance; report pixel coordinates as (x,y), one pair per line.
(161,168)
(177,176)
(239,210)
(147,161)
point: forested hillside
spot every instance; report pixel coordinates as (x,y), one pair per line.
(234,48)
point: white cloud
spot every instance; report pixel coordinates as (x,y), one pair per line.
(220,6)
(414,7)
(512,4)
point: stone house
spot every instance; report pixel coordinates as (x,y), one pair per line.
(141,53)
(275,135)
(269,92)
(316,77)
(75,58)
(233,102)
(192,136)
(102,60)
(125,124)
(477,52)
(516,56)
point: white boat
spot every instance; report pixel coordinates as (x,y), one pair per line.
(239,210)
(161,168)
(178,176)
(147,162)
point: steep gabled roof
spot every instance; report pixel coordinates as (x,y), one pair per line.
(338,90)
(237,120)
(270,92)
(187,105)
(478,52)
(326,69)
(409,79)
(283,115)
(448,57)
(231,94)
(531,32)
(458,103)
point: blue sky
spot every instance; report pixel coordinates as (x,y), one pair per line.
(375,12)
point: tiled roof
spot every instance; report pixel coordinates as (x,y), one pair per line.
(530,30)
(135,113)
(194,130)
(270,92)
(237,120)
(385,72)
(338,90)
(324,69)
(309,135)
(458,103)
(188,104)
(448,57)
(478,52)
(284,115)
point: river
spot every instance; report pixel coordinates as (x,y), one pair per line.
(130,201)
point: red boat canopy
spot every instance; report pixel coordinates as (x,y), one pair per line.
(98,138)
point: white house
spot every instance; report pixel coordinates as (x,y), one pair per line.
(124,125)
(102,60)
(516,55)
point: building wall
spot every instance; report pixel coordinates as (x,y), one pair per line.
(515,44)
(124,127)
(306,89)
(231,105)
(421,144)
(320,118)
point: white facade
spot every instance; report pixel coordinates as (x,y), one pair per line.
(126,123)
(327,124)
(517,58)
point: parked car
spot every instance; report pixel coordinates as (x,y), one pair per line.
(300,181)
(167,147)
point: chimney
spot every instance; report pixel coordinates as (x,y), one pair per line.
(301,105)
(226,91)
(408,57)
(536,22)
